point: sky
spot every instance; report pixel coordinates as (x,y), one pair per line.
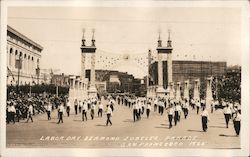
(124,35)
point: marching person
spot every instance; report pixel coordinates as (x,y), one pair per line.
(80,106)
(49,109)
(236,121)
(100,109)
(227,114)
(170,115)
(84,110)
(198,105)
(176,114)
(76,105)
(204,119)
(60,111)
(92,111)
(142,106)
(109,114)
(148,109)
(112,106)
(134,111)
(30,113)
(161,106)
(155,104)
(203,103)
(139,109)
(192,103)
(185,108)
(178,107)
(68,107)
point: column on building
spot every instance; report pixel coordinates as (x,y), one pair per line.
(209,95)
(172,91)
(197,89)
(186,90)
(178,91)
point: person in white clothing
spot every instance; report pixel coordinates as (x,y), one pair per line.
(76,106)
(236,121)
(170,115)
(84,110)
(155,104)
(227,114)
(148,109)
(80,106)
(60,110)
(109,114)
(49,109)
(204,119)
(198,105)
(68,107)
(100,109)
(30,113)
(185,108)
(92,111)
(135,112)
(12,112)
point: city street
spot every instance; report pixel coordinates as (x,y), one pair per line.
(124,133)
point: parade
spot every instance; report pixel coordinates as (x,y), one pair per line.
(99,88)
(170,109)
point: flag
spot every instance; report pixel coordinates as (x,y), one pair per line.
(18,64)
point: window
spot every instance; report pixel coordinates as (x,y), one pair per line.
(10,57)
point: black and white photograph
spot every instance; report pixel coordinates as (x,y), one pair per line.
(141,76)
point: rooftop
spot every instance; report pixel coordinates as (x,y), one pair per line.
(20,35)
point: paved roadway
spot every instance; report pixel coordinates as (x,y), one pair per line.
(146,133)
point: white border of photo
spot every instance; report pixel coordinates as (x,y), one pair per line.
(244,151)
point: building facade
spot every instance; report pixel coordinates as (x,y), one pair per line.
(23,59)
(187,70)
(117,82)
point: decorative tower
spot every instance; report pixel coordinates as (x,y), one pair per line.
(92,92)
(160,92)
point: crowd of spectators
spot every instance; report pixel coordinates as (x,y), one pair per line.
(18,104)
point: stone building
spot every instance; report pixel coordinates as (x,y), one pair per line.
(23,59)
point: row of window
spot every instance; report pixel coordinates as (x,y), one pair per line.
(18,57)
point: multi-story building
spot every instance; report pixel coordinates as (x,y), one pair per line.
(23,59)
(188,70)
(115,81)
